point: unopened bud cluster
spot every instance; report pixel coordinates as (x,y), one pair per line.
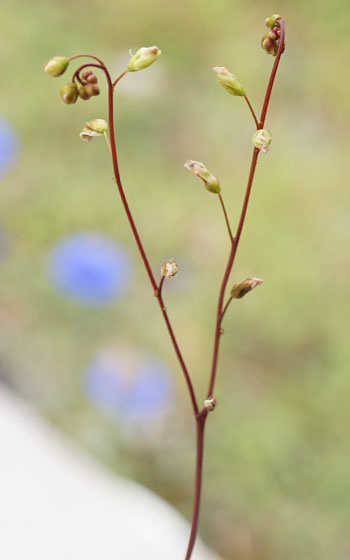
(270,42)
(70,91)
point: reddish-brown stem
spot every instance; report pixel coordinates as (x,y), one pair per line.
(226,307)
(119,78)
(226,217)
(200,424)
(139,243)
(252,111)
(158,292)
(86,56)
(235,243)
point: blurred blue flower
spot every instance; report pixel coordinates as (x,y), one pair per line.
(90,268)
(133,387)
(9,146)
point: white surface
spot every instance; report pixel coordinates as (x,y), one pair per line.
(57,504)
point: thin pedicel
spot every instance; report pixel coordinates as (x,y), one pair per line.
(84,85)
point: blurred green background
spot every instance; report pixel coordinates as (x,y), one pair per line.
(277,458)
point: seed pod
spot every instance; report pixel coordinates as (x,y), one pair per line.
(69,93)
(143,58)
(228,81)
(211,182)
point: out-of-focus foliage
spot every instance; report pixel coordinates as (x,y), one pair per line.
(278,452)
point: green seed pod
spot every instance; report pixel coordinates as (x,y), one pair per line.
(228,81)
(211,182)
(262,140)
(272,20)
(143,58)
(69,93)
(56,66)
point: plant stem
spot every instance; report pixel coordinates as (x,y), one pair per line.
(252,111)
(226,217)
(119,78)
(140,246)
(200,425)
(237,237)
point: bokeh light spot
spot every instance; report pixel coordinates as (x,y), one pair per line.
(90,268)
(9,146)
(128,384)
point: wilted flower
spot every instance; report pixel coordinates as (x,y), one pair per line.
(210,403)
(97,127)
(56,66)
(262,140)
(169,268)
(228,81)
(211,182)
(143,58)
(242,288)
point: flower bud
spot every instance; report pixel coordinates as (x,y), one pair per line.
(169,268)
(97,127)
(91,79)
(69,93)
(262,140)
(242,288)
(211,182)
(92,89)
(56,66)
(210,403)
(269,45)
(83,94)
(272,20)
(228,81)
(142,58)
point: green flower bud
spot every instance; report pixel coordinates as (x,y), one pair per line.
(97,127)
(142,58)
(228,81)
(272,20)
(242,288)
(69,93)
(83,94)
(56,66)
(211,182)
(262,140)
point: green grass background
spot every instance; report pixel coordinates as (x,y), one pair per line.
(277,462)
